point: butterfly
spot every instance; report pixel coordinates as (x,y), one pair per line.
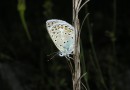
(63,36)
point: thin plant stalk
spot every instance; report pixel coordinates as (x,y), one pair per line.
(77,68)
(113,39)
(84,67)
(95,56)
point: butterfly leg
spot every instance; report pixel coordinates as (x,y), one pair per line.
(68,57)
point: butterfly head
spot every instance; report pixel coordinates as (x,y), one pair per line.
(65,53)
(61,54)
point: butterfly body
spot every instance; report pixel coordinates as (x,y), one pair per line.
(63,36)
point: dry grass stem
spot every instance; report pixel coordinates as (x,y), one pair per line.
(77,69)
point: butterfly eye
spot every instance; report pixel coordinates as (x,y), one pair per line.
(61,54)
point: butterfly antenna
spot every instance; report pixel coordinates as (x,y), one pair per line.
(54,54)
(51,54)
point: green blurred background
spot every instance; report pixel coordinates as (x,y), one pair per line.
(25,45)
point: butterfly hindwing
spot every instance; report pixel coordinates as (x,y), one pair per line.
(62,34)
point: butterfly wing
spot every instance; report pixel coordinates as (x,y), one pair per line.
(63,36)
(50,23)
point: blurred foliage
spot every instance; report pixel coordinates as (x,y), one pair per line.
(24,65)
(21,8)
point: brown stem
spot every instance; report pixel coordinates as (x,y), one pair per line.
(77,69)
